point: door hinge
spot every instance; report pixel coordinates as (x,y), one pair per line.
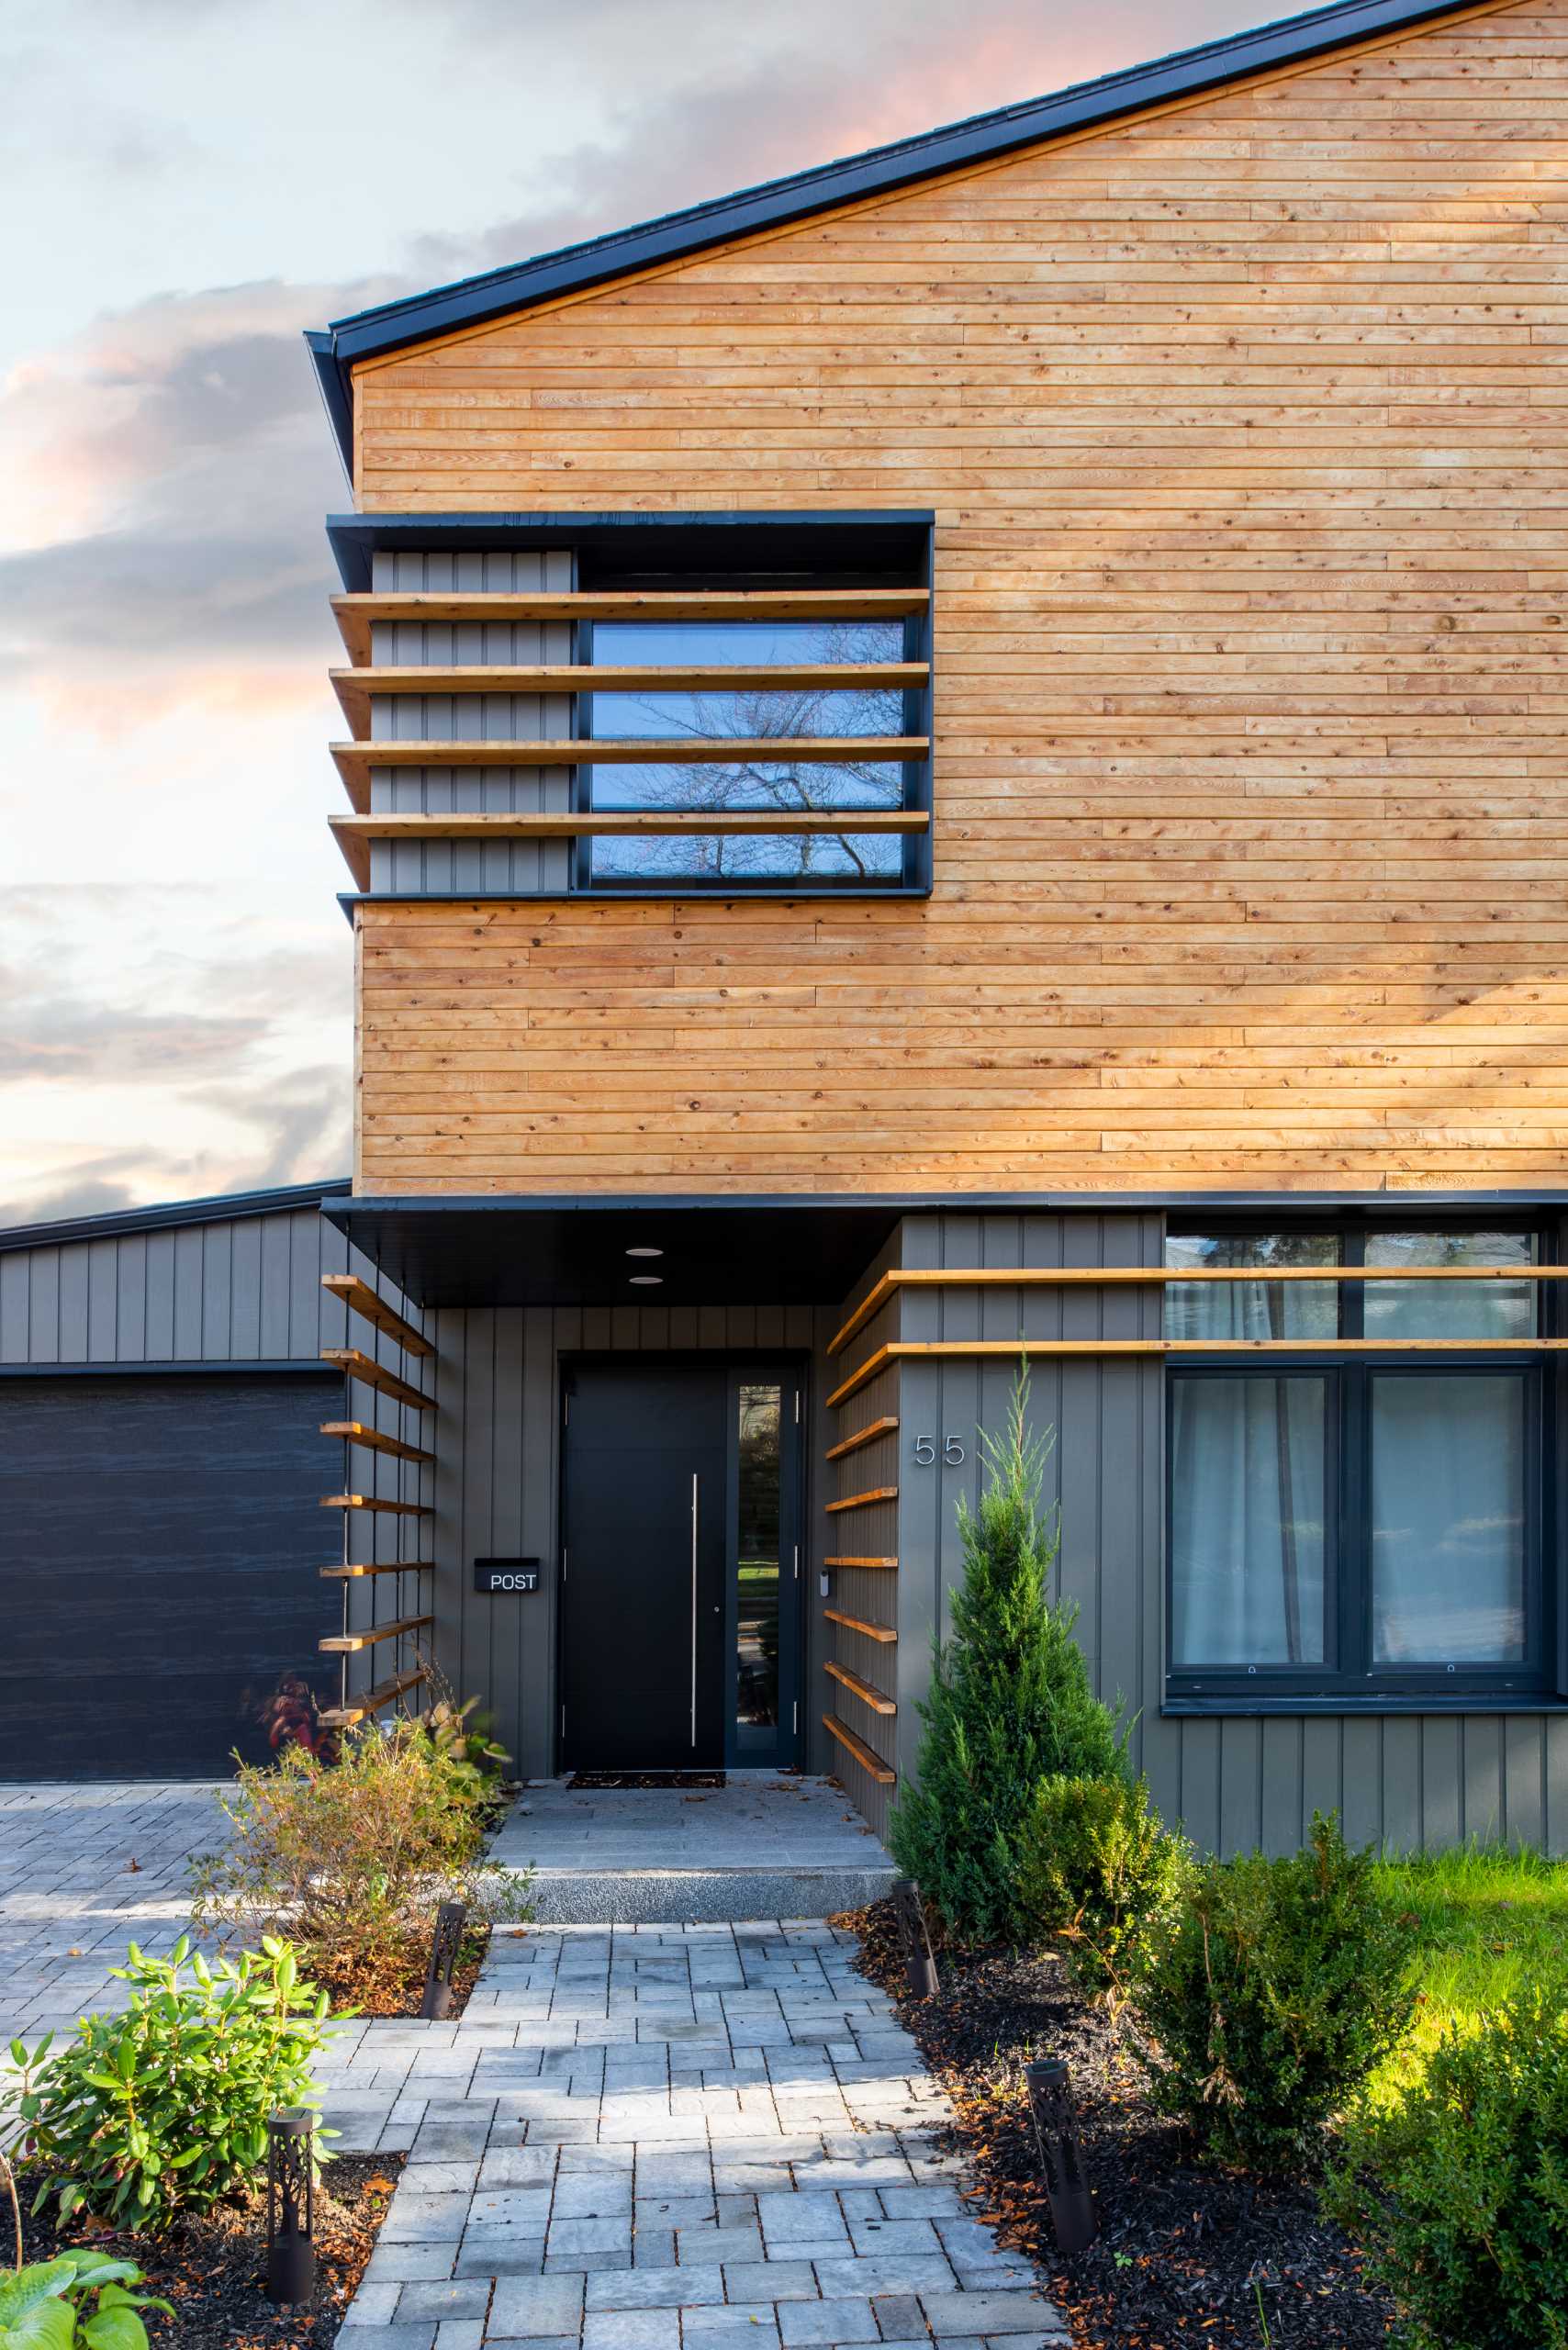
(795,1718)
(797,1562)
(564,1558)
(562,1721)
(797,1408)
(565,1407)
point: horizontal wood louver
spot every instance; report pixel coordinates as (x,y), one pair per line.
(490,737)
(356,614)
(370,1702)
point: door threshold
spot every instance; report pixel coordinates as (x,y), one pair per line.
(597,1782)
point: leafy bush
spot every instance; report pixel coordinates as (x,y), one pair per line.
(1102,1875)
(1280,1986)
(1460,2193)
(163,2108)
(351,1857)
(1010,1705)
(43,2306)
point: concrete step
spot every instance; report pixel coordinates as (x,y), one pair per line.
(765,1845)
(699,1896)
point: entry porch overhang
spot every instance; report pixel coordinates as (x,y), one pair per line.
(507,1251)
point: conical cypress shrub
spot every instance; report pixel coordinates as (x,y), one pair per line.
(1010,1701)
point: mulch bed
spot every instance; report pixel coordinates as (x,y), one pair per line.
(1185,2254)
(399,1990)
(213,2268)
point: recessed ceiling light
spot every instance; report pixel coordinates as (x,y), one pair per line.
(644,1252)
(647,1280)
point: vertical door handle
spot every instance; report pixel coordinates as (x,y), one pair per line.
(694,1607)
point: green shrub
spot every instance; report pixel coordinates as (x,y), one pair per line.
(351,1857)
(1102,1875)
(1460,2192)
(1010,1705)
(1280,1986)
(44,2307)
(163,2108)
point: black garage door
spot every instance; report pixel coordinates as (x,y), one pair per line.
(160,1539)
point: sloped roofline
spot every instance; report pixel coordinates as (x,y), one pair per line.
(471,301)
(220,1208)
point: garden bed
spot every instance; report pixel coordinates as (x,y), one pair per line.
(397,1991)
(1185,2254)
(213,2268)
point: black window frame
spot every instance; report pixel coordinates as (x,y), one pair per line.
(914,879)
(1350,1680)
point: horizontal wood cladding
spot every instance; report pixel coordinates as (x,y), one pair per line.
(1244,424)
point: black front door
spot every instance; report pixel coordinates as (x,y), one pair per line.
(679,1566)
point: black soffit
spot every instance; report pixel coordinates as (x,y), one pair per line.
(522,1252)
(392,326)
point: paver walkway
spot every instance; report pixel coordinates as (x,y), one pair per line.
(71,1899)
(709,2137)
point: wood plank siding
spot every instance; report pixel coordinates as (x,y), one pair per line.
(1244,426)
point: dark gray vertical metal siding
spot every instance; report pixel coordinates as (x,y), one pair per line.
(499,865)
(1236,1782)
(246,1290)
(497,1482)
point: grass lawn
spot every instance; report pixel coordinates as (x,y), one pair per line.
(1492,1919)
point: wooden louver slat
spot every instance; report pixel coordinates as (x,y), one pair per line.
(361,1299)
(373,1701)
(879,1703)
(355,614)
(370,1374)
(875,1565)
(867,1434)
(369,1440)
(352,1573)
(865,1500)
(873,1631)
(373,1502)
(868,1762)
(354,687)
(351,1644)
(354,832)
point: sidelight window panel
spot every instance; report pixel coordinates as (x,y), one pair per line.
(1247,1469)
(758,1563)
(1449,1484)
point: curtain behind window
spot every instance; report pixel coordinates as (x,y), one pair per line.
(1247,1542)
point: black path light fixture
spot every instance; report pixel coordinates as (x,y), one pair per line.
(919,1961)
(1061,2156)
(445,1943)
(291,2206)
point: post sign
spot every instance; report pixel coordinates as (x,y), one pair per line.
(498,1577)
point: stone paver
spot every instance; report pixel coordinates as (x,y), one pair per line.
(700,2137)
(70,1898)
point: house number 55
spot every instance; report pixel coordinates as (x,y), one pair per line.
(926,1450)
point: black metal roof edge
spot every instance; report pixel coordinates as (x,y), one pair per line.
(354,538)
(218,1209)
(471,301)
(376,1205)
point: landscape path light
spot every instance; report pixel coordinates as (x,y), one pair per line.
(291,2206)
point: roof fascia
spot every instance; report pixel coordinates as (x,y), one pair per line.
(220,1209)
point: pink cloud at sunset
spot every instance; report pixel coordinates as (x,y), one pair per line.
(173,969)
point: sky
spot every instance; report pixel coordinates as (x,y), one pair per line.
(187,185)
